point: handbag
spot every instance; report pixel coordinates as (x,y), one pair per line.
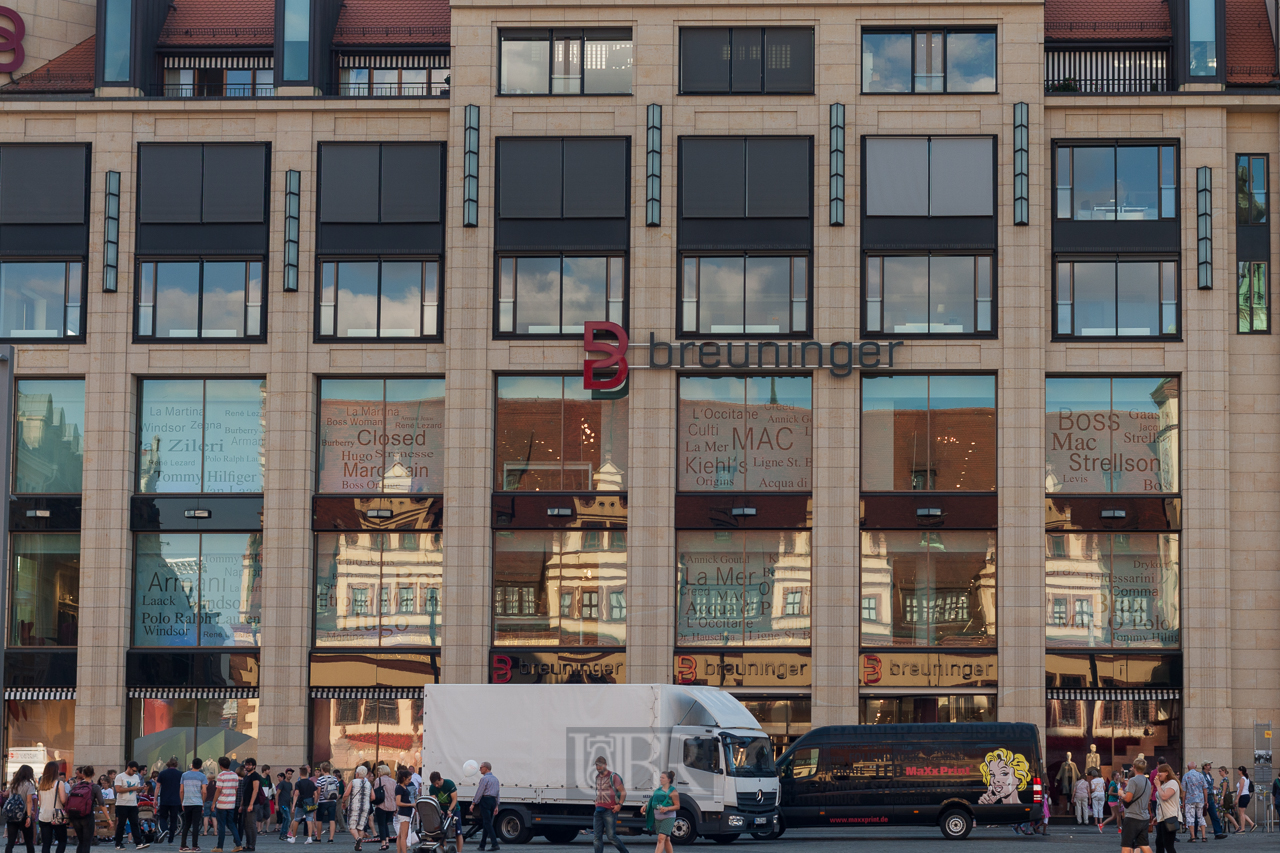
(413,839)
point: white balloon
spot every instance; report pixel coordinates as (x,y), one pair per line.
(470,769)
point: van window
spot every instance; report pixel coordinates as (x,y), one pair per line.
(702,753)
(869,766)
(804,763)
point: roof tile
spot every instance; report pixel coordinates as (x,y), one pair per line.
(1108,20)
(1251,52)
(71,72)
(392,22)
(219,23)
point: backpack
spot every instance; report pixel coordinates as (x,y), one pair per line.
(15,808)
(329,788)
(80,800)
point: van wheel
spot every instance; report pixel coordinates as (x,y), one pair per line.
(561,834)
(956,824)
(512,829)
(684,831)
(727,838)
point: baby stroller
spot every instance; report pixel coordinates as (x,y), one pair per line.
(434,828)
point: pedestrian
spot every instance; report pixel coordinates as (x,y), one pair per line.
(484,804)
(1193,790)
(446,794)
(210,798)
(404,809)
(252,802)
(1168,811)
(356,802)
(1137,810)
(269,793)
(128,785)
(169,798)
(20,809)
(1113,802)
(1097,795)
(1210,800)
(284,802)
(52,801)
(384,802)
(610,795)
(193,785)
(304,807)
(660,811)
(1227,796)
(328,793)
(1080,800)
(224,805)
(86,796)
(108,785)
(1244,793)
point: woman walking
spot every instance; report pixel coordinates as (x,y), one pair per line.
(53,802)
(357,798)
(22,786)
(1244,793)
(384,801)
(1168,809)
(404,809)
(660,812)
(1113,802)
(1228,798)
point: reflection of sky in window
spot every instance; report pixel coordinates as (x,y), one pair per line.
(1077,394)
(721,389)
(886,62)
(413,390)
(793,391)
(971,62)
(362,390)
(894,393)
(531,387)
(962,392)
(1137,394)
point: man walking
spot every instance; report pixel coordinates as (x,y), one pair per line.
(610,795)
(169,799)
(127,785)
(251,790)
(328,793)
(224,804)
(304,807)
(1211,801)
(193,785)
(85,797)
(1193,791)
(485,804)
(284,801)
(1137,810)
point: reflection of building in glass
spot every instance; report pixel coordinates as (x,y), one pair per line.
(379,588)
(186,728)
(930,450)
(49,446)
(547,438)
(349,731)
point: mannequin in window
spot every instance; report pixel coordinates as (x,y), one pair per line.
(1092,761)
(1068,775)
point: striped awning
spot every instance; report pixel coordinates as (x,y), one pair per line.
(36,694)
(366,692)
(433,60)
(219,61)
(193,693)
(1113,695)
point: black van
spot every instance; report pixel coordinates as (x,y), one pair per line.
(949,775)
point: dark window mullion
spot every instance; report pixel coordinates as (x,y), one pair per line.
(377,309)
(204,416)
(199,305)
(515,294)
(943,70)
(582,71)
(560,296)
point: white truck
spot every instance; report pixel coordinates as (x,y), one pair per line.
(543,740)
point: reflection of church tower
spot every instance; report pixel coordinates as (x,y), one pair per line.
(397,478)
(149,467)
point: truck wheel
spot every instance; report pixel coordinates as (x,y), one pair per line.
(727,838)
(956,825)
(684,830)
(773,834)
(512,829)
(561,834)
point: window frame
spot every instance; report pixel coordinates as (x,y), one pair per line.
(1250,160)
(499,257)
(12,589)
(764,31)
(911,33)
(1072,258)
(15,434)
(201,259)
(204,88)
(868,255)
(530,34)
(684,256)
(345,90)
(1114,144)
(1266,308)
(83,317)
(333,338)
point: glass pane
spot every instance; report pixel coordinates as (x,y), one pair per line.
(46,727)
(526,66)
(1095,298)
(747,68)
(704,59)
(224,289)
(297,39)
(352,416)
(401,299)
(177,311)
(595,440)
(170,436)
(239,83)
(233,426)
(225,727)
(46,589)
(160,728)
(895,430)
(411,567)
(1138,298)
(117,35)
(1138,182)
(230,589)
(788,59)
(585,291)
(1243,197)
(413,81)
(928,62)
(348,569)
(1258,190)
(348,732)
(1094,182)
(720,286)
(566,66)
(1261,285)
(777,436)
(768,296)
(414,448)
(538,296)
(166,589)
(49,445)
(951,294)
(709,457)
(386,82)
(1202,30)
(1063,178)
(971,62)
(1145,590)
(1168,183)
(358,299)
(607,66)
(1078,430)
(33,299)
(529,441)
(886,62)
(962,433)
(906,295)
(1144,445)
(932,588)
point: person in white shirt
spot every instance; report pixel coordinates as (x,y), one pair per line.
(1097,793)
(128,785)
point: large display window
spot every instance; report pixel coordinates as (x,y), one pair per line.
(1107,435)
(38,731)
(49,436)
(743,587)
(201,435)
(349,731)
(45,596)
(928,588)
(197,589)
(954,708)
(378,589)
(381,435)
(187,728)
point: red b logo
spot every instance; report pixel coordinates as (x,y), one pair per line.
(871,669)
(616,355)
(686,669)
(500,670)
(11,39)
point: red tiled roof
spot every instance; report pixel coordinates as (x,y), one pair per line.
(1107,20)
(1251,52)
(392,22)
(219,23)
(72,72)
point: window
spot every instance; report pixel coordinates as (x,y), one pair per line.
(198,435)
(553,178)
(351,565)
(200,299)
(702,753)
(297,40)
(47,726)
(744,295)
(1116,182)
(565,62)
(941,60)
(393,82)
(925,433)
(869,608)
(617,606)
(1252,286)
(1251,189)
(41,299)
(45,596)
(941,585)
(1202,31)
(1117,298)
(219,83)
(212,184)
(552,436)
(746,60)
(49,436)
(184,728)
(391,183)
(557,295)
(380,299)
(383,731)
(1126,592)
(724,608)
(746,177)
(116,41)
(928,294)
(548,566)
(793,603)
(745,433)
(197,589)
(381,435)
(929,176)
(1111,435)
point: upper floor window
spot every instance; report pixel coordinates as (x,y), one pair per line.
(48,453)
(381,436)
(1253,312)
(565,62)
(205,298)
(929,60)
(1110,181)
(1115,297)
(390,298)
(1202,32)
(41,299)
(558,294)
(746,60)
(930,176)
(219,82)
(200,435)
(928,294)
(744,295)
(1251,189)
(393,82)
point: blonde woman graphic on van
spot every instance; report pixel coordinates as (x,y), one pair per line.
(1005,774)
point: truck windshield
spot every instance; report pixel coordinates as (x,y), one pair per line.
(749,756)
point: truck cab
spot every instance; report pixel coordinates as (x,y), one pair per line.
(727,782)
